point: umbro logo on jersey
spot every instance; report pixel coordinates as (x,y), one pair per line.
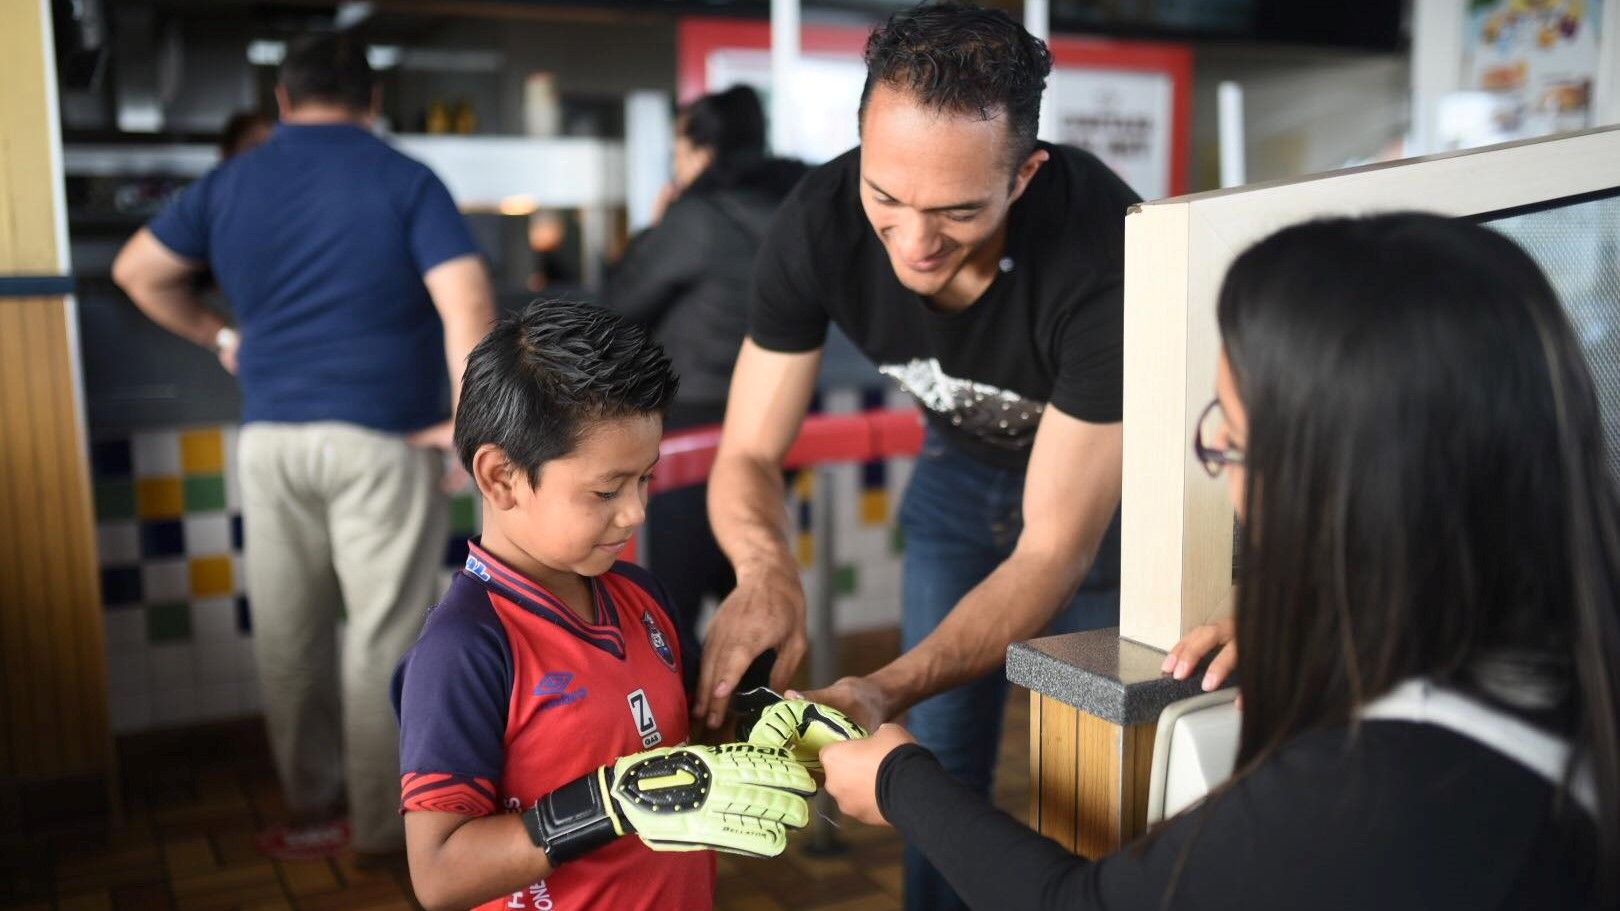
(660,643)
(553,687)
(477,568)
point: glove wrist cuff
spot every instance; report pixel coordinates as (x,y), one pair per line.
(573,820)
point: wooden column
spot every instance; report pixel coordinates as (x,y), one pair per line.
(1089,778)
(53,688)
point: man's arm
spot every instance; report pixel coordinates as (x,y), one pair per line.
(159,281)
(770,392)
(1071,491)
(461,293)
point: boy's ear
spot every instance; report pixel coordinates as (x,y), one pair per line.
(495,476)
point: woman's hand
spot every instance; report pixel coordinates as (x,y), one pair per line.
(1199,642)
(852,769)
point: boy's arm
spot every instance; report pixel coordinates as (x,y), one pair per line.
(462,861)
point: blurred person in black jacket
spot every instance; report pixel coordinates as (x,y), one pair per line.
(687,278)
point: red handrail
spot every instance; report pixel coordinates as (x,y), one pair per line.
(686,458)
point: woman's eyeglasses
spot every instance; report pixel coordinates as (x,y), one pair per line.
(1212,458)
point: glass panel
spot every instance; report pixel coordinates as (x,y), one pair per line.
(1578,246)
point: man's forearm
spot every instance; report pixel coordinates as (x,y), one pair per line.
(1013,603)
(179,309)
(745,509)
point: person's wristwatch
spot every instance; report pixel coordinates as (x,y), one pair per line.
(226,337)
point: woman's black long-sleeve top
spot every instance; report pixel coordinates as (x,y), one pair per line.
(1400,816)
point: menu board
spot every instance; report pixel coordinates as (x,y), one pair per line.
(1528,69)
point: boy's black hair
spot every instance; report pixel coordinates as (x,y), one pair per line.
(960,59)
(544,375)
(329,69)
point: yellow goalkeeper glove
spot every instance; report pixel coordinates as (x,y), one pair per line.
(736,797)
(798,725)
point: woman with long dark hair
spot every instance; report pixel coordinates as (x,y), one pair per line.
(1428,607)
(686,278)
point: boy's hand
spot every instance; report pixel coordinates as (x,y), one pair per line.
(736,797)
(800,726)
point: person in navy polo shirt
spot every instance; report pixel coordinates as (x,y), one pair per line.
(358,293)
(550,673)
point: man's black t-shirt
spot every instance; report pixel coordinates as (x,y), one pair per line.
(1048,329)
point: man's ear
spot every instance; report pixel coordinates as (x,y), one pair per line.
(1026,172)
(496,477)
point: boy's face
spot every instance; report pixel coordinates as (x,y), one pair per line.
(581,514)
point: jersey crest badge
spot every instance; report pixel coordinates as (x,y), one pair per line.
(660,642)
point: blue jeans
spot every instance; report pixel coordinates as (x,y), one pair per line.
(961,519)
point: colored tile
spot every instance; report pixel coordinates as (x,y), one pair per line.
(208,534)
(115,500)
(846,578)
(111,459)
(163,538)
(205,493)
(897,540)
(806,515)
(169,622)
(156,454)
(244,615)
(118,543)
(158,498)
(202,452)
(806,549)
(121,585)
(236,532)
(463,514)
(874,507)
(211,577)
(165,580)
(804,485)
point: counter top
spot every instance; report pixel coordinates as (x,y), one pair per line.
(1100,674)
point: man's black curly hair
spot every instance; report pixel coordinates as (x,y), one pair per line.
(960,59)
(543,376)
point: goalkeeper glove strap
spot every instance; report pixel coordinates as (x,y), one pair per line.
(574,819)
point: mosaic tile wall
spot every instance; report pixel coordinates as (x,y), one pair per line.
(179,624)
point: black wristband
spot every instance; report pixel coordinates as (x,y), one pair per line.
(570,821)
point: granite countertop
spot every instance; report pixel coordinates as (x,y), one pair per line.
(1100,674)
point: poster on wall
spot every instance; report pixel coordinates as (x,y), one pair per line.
(1121,117)
(1129,103)
(1528,69)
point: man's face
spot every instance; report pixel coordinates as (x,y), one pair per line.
(936,186)
(588,503)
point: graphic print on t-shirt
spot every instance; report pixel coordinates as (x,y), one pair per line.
(998,417)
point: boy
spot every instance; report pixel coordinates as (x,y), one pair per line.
(548,657)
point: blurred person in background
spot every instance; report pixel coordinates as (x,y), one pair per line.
(358,293)
(687,278)
(245,130)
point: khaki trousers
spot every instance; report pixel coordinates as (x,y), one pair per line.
(341,523)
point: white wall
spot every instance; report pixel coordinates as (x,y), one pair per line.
(1305,109)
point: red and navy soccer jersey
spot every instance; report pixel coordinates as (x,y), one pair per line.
(509,695)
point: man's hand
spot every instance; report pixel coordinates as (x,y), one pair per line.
(226,343)
(1185,655)
(864,701)
(852,770)
(763,612)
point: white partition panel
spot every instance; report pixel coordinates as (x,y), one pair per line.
(1176,561)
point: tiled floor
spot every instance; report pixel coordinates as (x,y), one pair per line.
(193,799)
